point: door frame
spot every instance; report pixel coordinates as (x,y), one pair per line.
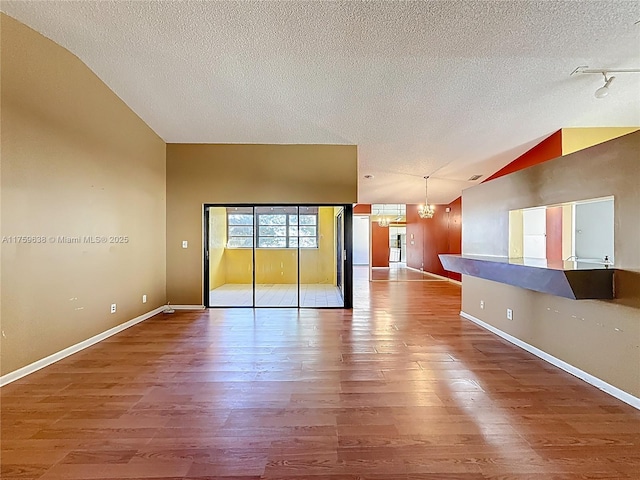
(347,266)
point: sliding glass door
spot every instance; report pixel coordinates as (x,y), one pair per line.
(276,253)
(230,256)
(277,256)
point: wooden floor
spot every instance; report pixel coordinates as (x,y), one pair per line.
(399,388)
(398,272)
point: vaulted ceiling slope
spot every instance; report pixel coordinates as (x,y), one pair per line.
(451,88)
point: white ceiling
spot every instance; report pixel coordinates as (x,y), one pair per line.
(456,87)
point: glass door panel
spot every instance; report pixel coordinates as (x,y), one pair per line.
(230,256)
(276,238)
(320,235)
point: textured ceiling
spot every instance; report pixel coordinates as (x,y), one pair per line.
(455,87)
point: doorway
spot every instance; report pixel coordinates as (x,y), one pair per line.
(361,240)
(277,256)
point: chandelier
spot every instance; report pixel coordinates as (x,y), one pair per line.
(384,222)
(426,210)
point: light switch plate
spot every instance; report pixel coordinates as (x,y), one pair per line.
(185,244)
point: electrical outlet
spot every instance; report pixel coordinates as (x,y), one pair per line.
(185,244)
(509,314)
(113,308)
(481,304)
(144,299)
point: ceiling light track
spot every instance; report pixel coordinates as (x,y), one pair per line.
(603,91)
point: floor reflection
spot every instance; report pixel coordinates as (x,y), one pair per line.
(399,272)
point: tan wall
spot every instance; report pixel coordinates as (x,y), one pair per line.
(228,174)
(76,161)
(599,337)
(217,246)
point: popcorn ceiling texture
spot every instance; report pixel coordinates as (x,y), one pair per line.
(461,87)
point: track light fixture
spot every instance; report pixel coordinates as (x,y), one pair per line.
(603,91)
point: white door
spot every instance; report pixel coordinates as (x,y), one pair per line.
(534,226)
(361,239)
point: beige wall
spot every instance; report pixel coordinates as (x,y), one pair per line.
(76,161)
(227,174)
(599,337)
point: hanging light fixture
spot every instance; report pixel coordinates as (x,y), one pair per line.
(603,91)
(383,222)
(426,210)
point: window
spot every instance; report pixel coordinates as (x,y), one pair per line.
(274,229)
(287,231)
(239,229)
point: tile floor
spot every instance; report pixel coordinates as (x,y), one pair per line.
(276,295)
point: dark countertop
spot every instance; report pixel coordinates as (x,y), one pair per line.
(575,280)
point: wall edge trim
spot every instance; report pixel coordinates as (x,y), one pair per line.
(55,357)
(567,367)
(186,307)
(436,275)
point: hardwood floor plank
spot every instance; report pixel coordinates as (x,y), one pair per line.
(400,388)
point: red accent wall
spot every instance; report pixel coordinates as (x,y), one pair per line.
(362,208)
(415,238)
(554,233)
(455,232)
(548,149)
(379,246)
(431,237)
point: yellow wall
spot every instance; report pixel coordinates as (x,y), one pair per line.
(574,139)
(239,265)
(281,265)
(76,161)
(229,174)
(318,265)
(516,234)
(217,246)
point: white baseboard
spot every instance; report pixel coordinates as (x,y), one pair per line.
(457,282)
(187,307)
(567,367)
(37,365)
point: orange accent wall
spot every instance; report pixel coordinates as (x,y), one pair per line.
(362,209)
(548,149)
(554,233)
(455,232)
(430,238)
(379,246)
